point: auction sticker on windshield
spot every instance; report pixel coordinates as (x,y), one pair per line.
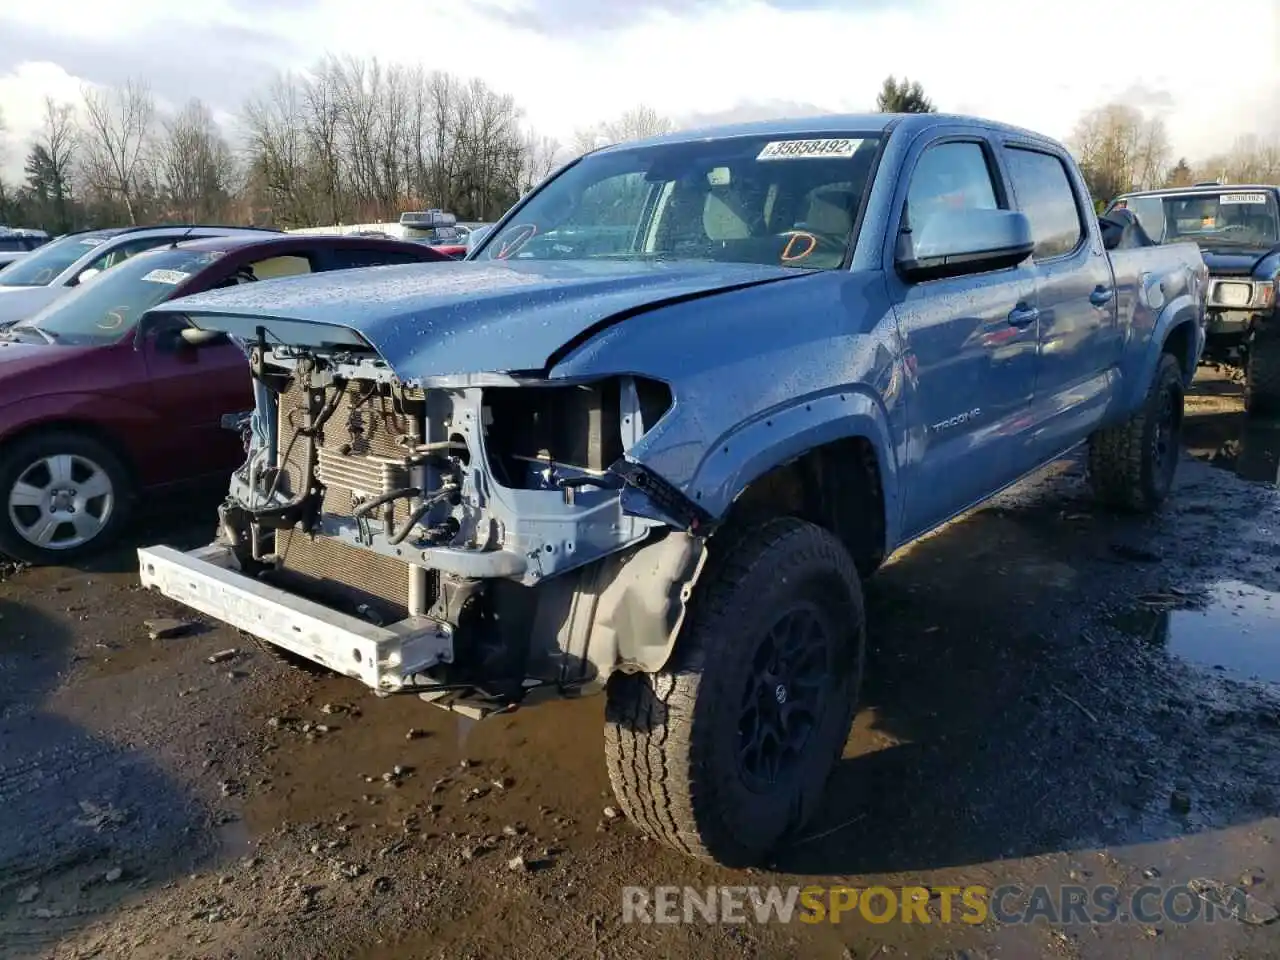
(1243,198)
(166,276)
(809,149)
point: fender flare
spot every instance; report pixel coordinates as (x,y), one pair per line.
(1180,311)
(786,432)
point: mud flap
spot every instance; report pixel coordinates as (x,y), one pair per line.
(623,613)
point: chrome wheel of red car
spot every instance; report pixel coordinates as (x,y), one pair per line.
(62,501)
(62,494)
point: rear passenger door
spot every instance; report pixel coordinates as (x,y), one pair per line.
(970,344)
(1080,339)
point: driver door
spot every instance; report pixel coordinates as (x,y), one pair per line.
(191,389)
(970,346)
(201,385)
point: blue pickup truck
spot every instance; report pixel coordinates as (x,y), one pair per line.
(1237,228)
(650,435)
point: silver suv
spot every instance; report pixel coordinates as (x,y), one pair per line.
(56,268)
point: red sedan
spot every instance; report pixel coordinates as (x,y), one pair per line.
(97,407)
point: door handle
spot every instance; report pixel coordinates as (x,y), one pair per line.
(1023,316)
(1101,295)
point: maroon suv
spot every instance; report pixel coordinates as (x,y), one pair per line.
(99,403)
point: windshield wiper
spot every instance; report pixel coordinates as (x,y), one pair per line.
(48,337)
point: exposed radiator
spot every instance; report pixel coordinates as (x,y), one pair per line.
(358,456)
(338,572)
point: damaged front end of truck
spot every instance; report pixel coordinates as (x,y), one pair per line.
(475,538)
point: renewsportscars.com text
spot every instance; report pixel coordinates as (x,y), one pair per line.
(1006,904)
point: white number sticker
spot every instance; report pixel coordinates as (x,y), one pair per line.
(166,276)
(1243,198)
(809,149)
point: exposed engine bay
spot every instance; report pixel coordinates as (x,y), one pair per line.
(493,527)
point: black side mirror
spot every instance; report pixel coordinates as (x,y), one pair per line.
(194,337)
(958,242)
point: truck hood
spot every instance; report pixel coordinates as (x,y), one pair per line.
(1233,261)
(19,303)
(464,317)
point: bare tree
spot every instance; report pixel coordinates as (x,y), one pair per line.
(635,124)
(1251,159)
(4,194)
(49,165)
(322,119)
(1119,148)
(115,139)
(196,164)
(280,162)
(490,145)
(356,138)
(540,156)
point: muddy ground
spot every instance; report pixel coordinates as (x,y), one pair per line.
(1055,695)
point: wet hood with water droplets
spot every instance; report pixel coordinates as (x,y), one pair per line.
(438,319)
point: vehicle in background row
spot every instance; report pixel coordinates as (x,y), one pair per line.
(96,406)
(647,438)
(435,228)
(57,267)
(1237,228)
(16,243)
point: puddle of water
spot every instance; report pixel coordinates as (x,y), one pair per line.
(1234,627)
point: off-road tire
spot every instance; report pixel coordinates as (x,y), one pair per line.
(17,458)
(1126,469)
(672,739)
(1262,376)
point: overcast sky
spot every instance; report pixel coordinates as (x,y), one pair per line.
(571,62)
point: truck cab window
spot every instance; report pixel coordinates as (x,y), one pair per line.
(1044,194)
(949,176)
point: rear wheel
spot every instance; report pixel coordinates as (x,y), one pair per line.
(728,751)
(1132,464)
(1262,376)
(62,495)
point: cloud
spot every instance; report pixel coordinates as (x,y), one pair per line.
(175,59)
(748,111)
(576,17)
(1148,98)
(573,62)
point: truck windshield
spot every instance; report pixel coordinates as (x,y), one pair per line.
(780,200)
(108,306)
(1231,218)
(43,265)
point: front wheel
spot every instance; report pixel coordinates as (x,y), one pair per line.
(62,495)
(1262,376)
(1132,465)
(726,752)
